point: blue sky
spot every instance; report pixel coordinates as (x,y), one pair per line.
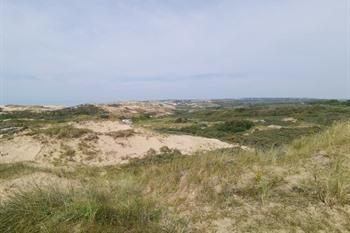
(69,52)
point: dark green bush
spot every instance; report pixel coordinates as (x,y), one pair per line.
(235,126)
(180,120)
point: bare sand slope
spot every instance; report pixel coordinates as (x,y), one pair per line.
(21,148)
(137,146)
(104,148)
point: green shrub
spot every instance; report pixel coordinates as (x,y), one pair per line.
(235,126)
(180,120)
(141,117)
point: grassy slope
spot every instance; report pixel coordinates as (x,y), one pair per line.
(305,187)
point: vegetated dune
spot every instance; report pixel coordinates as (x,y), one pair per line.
(130,108)
(303,187)
(98,143)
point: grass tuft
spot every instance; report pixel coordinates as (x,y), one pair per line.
(64,132)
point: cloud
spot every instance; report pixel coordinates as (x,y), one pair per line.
(113,44)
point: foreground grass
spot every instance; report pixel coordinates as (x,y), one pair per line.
(120,208)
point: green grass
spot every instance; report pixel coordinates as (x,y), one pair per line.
(13,170)
(92,209)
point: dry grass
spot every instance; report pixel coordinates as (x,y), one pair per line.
(62,132)
(273,190)
(121,133)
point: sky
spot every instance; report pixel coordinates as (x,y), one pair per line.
(83,51)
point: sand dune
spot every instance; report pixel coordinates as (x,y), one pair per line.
(103,148)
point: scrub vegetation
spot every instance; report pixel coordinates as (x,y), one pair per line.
(258,125)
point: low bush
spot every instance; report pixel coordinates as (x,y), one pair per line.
(121,133)
(180,120)
(235,126)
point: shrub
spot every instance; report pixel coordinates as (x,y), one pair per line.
(235,126)
(141,117)
(121,133)
(180,120)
